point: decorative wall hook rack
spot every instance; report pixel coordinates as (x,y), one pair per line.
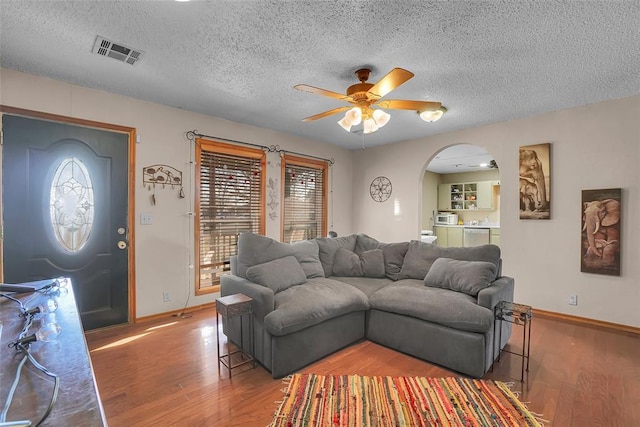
(161,175)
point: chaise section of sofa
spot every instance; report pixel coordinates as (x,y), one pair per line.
(297,324)
(313,298)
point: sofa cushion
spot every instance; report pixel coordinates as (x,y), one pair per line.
(307,253)
(410,297)
(365,243)
(393,254)
(313,302)
(328,246)
(254,249)
(278,274)
(469,277)
(369,264)
(368,285)
(420,256)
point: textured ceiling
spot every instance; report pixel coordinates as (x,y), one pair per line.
(486,61)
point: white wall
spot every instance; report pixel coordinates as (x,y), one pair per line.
(430,183)
(594,146)
(164,249)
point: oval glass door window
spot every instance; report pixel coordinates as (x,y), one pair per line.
(71,204)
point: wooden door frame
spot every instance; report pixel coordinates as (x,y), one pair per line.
(131,132)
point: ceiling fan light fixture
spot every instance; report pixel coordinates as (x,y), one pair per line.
(432,115)
(381,117)
(370,126)
(346,124)
(354,116)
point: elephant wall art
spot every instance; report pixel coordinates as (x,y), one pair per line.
(601,231)
(535,181)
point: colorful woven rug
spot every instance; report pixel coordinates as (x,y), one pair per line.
(315,400)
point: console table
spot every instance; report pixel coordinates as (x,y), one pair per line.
(78,402)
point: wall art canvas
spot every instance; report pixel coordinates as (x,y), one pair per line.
(601,231)
(535,181)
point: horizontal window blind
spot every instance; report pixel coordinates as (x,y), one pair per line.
(230,202)
(305,210)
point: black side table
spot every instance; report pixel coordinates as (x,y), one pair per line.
(518,314)
(237,305)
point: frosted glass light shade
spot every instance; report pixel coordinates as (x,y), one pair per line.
(431,115)
(346,124)
(381,117)
(354,116)
(370,126)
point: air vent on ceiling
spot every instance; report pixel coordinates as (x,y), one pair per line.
(117,51)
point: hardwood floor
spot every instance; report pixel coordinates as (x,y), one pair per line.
(165,373)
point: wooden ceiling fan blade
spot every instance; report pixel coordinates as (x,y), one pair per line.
(323,92)
(327,113)
(401,104)
(392,80)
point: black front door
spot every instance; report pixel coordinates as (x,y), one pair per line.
(65,203)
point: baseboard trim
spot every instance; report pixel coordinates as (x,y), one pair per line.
(536,311)
(586,321)
(179,313)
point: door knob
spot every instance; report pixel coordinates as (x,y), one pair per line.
(122,244)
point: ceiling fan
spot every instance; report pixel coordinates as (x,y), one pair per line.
(490,165)
(364,96)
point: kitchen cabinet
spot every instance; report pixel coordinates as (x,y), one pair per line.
(449,236)
(465,196)
(494,236)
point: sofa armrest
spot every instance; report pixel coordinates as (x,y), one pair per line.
(263,301)
(500,290)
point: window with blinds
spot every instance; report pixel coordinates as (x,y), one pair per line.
(304,210)
(230,200)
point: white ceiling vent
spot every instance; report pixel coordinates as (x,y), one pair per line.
(117,51)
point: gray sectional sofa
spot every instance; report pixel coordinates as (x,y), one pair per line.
(315,297)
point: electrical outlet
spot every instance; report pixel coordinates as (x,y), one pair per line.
(146,219)
(166,297)
(573,299)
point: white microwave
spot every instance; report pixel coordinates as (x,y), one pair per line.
(445,218)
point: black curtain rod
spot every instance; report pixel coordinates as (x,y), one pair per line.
(192,134)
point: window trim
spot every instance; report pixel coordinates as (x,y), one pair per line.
(228,149)
(288,159)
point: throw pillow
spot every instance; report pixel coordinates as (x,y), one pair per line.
(365,243)
(372,262)
(469,277)
(328,248)
(278,275)
(394,254)
(347,263)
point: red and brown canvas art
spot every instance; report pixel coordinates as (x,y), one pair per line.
(600,239)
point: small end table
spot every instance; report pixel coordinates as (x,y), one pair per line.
(518,314)
(236,305)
